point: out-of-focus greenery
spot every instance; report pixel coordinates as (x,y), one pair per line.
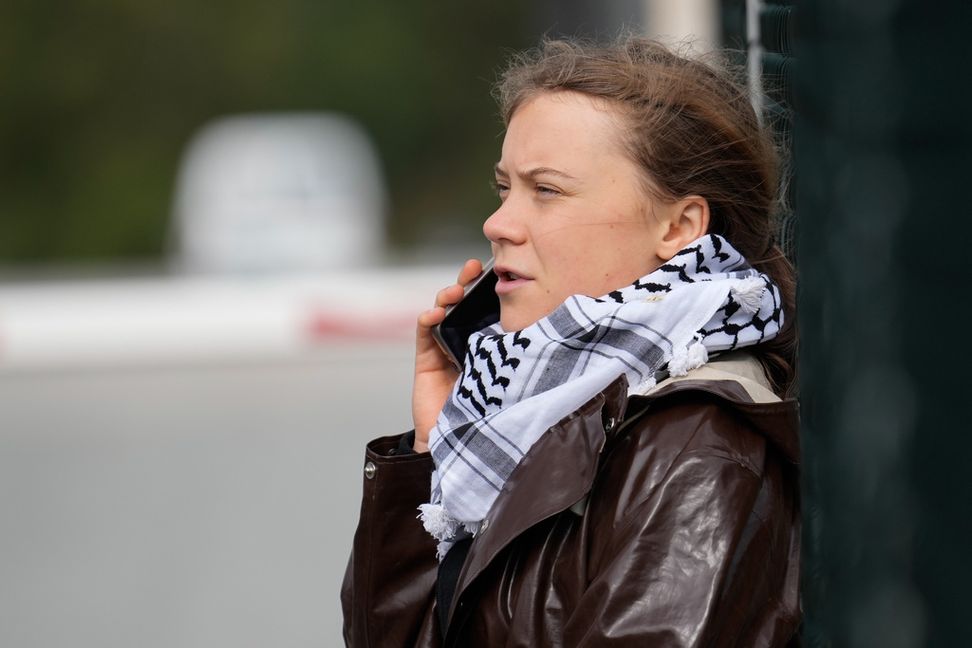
(100,97)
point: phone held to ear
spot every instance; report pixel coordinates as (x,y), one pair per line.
(478,308)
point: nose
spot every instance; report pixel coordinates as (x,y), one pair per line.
(504,226)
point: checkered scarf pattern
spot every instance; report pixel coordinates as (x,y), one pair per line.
(515,386)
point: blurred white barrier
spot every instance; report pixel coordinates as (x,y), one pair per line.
(135,322)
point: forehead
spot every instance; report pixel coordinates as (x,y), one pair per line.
(564,127)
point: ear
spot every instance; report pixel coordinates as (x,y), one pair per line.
(688,219)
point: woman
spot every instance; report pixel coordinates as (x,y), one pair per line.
(616,463)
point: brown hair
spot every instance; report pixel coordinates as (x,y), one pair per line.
(693,131)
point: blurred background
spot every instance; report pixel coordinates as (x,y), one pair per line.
(218,222)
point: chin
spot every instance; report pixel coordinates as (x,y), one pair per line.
(508,326)
(514,320)
(509,320)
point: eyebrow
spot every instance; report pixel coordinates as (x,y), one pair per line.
(532,173)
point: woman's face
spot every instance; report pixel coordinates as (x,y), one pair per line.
(574,218)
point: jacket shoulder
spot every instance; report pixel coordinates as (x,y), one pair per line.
(693,516)
(728,398)
(693,430)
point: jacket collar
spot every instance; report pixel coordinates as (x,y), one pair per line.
(562,465)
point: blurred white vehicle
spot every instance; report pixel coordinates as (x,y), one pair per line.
(278,193)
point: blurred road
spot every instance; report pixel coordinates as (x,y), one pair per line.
(208,505)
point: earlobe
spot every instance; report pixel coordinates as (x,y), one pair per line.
(689,221)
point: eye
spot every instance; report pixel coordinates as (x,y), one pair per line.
(544,190)
(500,188)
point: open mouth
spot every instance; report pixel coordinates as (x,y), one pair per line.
(508,281)
(505,274)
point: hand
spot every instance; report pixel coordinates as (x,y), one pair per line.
(435,375)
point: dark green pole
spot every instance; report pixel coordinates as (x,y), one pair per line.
(883,147)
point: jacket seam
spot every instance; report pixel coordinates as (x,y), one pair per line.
(726,457)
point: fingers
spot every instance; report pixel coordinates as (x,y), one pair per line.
(470,270)
(450,294)
(431,317)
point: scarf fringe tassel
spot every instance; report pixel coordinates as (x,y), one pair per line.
(437,521)
(685,359)
(748,293)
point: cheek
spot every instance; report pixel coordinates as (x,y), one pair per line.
(590,274)
(565,262)
(602,266)
(592,260)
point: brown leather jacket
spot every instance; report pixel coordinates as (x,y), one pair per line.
(680,526)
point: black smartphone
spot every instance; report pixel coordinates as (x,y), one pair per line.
(478,308)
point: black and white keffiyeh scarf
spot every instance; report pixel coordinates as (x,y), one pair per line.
(515,386)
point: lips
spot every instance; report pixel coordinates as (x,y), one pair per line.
(509,279)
